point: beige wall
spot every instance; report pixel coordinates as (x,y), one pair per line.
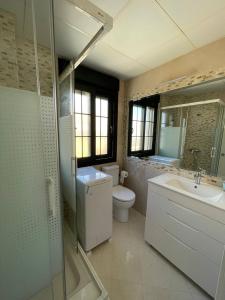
(199,65)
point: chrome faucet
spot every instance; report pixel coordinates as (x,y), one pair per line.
(198,175)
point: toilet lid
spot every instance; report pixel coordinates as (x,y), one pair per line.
(122,193)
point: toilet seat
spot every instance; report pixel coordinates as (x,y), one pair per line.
(123,194)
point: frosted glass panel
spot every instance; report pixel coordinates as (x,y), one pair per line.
(169,141)
(25,259)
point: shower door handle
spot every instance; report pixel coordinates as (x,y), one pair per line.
(51,196)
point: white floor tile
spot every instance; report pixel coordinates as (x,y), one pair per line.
(132,270)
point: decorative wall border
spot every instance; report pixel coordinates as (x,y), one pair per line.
(183,82)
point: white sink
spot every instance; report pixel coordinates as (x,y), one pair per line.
(204,192)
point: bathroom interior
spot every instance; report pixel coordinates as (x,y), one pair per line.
(112,160)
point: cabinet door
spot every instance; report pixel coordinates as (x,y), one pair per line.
(220,292)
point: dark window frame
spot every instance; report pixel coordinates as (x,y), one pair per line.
(112,134)
(151,102)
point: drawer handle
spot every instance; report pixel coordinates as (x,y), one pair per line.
(179,241)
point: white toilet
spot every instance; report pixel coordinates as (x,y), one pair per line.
(123,198)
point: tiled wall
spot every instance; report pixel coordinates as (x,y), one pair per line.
(8,56)
(17,59)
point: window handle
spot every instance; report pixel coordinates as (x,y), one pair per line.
(111,129)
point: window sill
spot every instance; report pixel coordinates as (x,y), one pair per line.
(87,163)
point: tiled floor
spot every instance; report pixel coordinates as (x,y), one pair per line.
(131,270)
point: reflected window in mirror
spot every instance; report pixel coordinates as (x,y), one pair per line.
(142,126)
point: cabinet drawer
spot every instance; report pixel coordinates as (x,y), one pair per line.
(197,221)
(209,247)
(203,271)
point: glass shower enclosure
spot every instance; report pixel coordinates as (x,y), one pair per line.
(31,255)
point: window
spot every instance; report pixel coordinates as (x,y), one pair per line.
(101,125)
(95,123)
(83,123)
(142,126)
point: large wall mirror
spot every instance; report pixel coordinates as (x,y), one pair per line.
(191,131)
(190,128)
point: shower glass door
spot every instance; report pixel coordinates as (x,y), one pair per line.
(31,254)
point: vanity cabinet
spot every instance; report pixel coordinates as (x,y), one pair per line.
(188,235)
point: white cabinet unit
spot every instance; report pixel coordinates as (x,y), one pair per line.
(94,207)
(187,232)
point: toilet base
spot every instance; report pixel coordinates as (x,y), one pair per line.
(121,214)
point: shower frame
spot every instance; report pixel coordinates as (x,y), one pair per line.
(98,15)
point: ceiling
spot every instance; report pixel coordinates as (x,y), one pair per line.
(146,33)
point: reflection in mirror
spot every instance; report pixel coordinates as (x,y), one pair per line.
(191,128)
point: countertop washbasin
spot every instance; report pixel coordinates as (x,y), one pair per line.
(204,192)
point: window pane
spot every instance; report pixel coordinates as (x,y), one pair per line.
(104,107)
(97,106)
(104,145)
(79,147)
(151,129)
(135,112)
(97,126)
(150,114)
(98,146)
(86,125)
(86,103)
(147,129)
(78,125)
(140,128)
(133,144)
(139,143)
(86,146)
(104,126)
(146,146)
(78,101)
(148,143)
(140,114)
(134,128)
